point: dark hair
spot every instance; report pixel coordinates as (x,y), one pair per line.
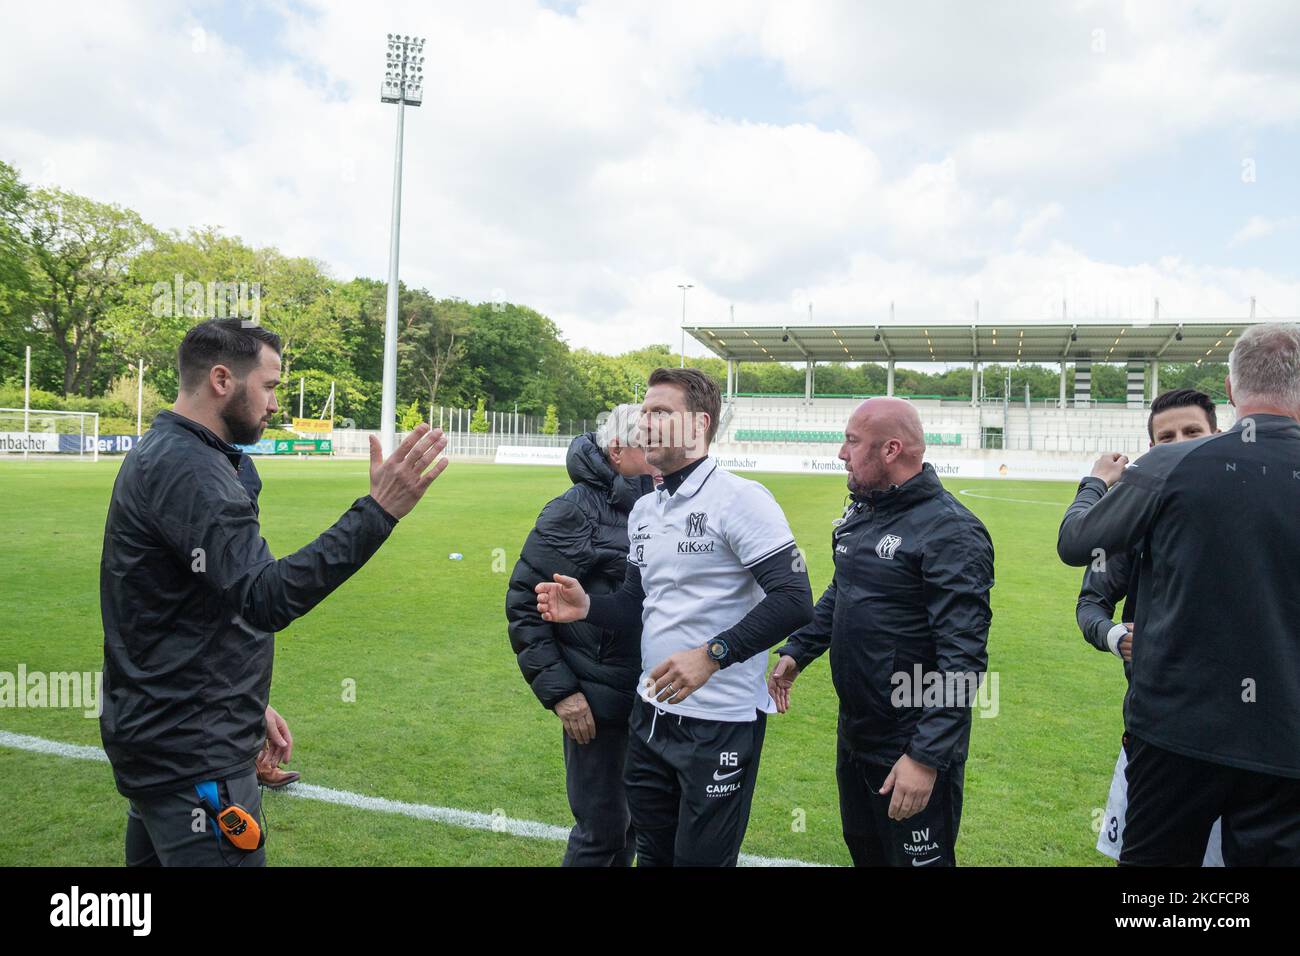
(702,393)
(228,342)
(1180,398)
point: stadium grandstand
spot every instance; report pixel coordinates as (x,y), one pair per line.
(991,434)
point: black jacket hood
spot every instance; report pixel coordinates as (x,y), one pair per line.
(587,465)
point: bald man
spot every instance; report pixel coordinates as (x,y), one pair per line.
(906,618)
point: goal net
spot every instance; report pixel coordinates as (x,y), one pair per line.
(45,433)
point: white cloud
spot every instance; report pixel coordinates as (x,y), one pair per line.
(1258,227)
(1033,227)
(560,159)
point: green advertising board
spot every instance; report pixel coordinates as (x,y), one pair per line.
(303,446)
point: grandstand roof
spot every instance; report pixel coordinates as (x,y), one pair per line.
(1114,340)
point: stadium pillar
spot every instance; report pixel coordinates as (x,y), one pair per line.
(889,379)
(1137,381)
(1061,403)
(808,382)
(974,384)
(1082,382)
(1155,379)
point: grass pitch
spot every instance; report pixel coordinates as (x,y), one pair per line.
(442,716)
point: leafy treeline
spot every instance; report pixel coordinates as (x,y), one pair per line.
(93,289)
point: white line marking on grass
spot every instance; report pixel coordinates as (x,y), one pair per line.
(52,747)
(1019,501)
(465,819)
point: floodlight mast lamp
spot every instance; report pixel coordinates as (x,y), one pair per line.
(403,85)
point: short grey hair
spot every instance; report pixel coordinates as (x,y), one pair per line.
(1265,365)
(620,422)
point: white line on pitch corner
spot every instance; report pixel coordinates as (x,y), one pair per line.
(1019,501)
(465,819)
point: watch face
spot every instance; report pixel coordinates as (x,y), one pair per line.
(717,649)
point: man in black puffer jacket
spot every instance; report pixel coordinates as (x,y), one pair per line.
(578,670)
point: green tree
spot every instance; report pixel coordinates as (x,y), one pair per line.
(411,417)
(551,424)
(512,354)
(15,198)
(431,340)
(297,303)
(123,390)
(78,257)
(479,423)
(176,282)
(17,331)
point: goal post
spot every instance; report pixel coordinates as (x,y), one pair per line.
(49,434)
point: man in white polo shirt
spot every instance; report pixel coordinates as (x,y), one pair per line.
(714,579)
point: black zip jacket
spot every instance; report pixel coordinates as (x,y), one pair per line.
(191,598)
(1216,659)
(583,534)
(913,570)
(1102,589)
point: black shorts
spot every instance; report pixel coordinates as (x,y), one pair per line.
(690,783)
(928,838)
(1174,800)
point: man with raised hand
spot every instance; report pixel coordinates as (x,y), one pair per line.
(191,595)
(1182,414)
(1213,709)
(907,609)
(714,579)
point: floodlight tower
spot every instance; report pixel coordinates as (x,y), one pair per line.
(403,85)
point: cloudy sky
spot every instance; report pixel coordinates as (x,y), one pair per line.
(585,158)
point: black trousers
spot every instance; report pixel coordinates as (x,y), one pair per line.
(1174,800)
(602,834)
(690,784)
(928,838)
(177,829)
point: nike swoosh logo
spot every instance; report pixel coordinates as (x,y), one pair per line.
(724,776)
(844,535)
(642,527)
(924,862)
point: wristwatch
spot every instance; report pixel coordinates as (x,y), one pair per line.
(718,651)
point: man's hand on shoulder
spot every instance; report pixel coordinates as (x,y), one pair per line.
(1109,467)
(398,484)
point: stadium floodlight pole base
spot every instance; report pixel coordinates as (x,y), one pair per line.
(388,405)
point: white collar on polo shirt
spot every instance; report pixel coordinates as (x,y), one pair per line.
(692,483)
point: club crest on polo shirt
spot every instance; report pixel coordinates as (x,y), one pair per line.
(887,545)
(696,524)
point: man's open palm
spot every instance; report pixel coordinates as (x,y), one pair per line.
(399,483)
(562,602)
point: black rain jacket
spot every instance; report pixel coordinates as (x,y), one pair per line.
(1216,657)
(191,598)
(913,570)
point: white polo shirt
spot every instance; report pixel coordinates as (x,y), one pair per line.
(695,548)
